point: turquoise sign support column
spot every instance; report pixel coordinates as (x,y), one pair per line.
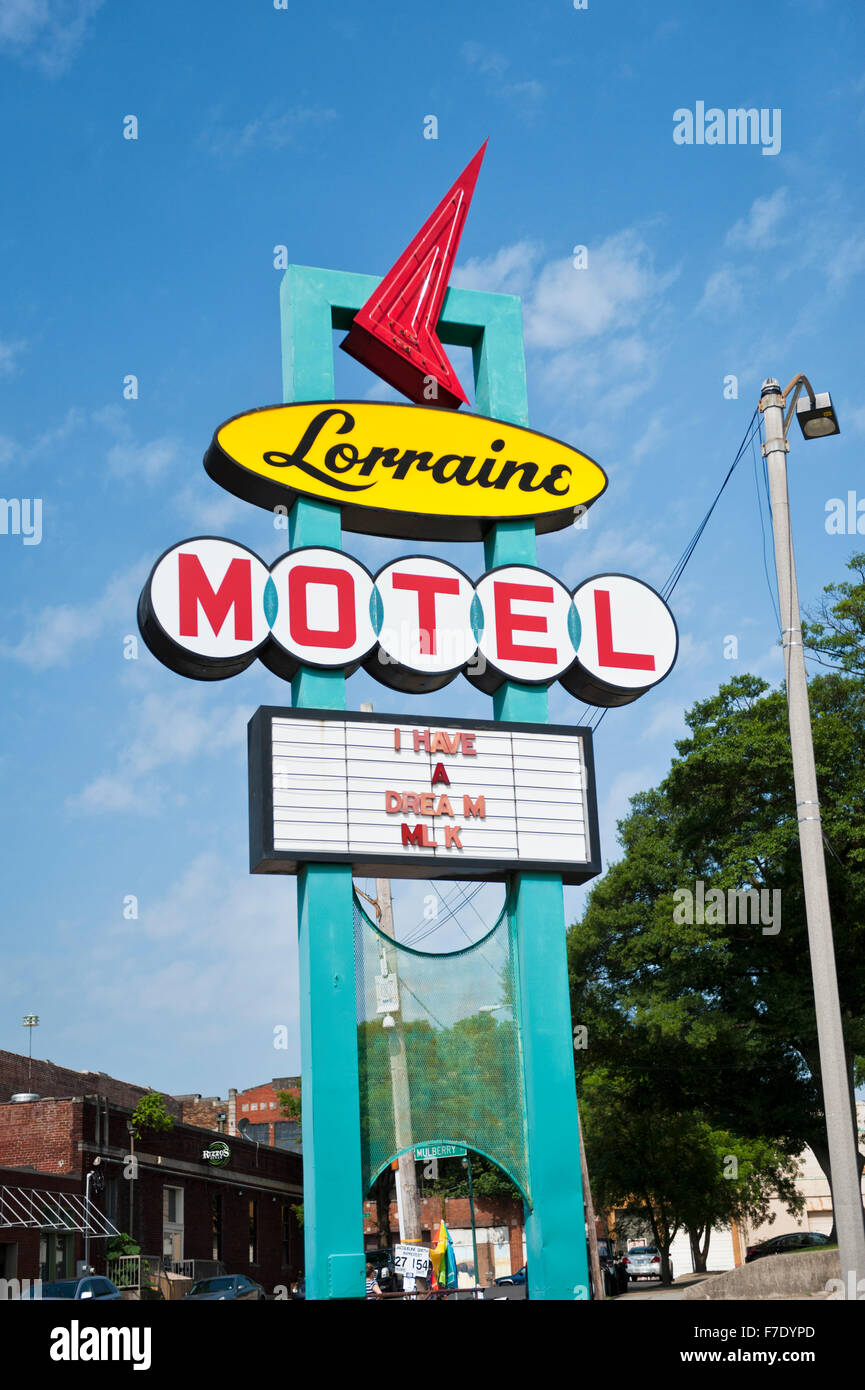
(332,1183)
(555,1229)
(314,303)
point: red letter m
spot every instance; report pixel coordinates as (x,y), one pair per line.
(413,834)
(235,592)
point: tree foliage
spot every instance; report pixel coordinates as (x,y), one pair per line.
(710,1018)
(150,1114)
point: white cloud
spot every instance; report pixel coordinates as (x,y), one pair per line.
(612,293)
(524,96)
(759,229)
(139,461)
(722,293)
(847,261)
(508,271)
(59,631)
(167,730)
(215,953)
(273,130)
(483,60)
(10,351)
(45,34)
(8,449)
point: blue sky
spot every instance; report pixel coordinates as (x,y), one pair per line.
(260,127)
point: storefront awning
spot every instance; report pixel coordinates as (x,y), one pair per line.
(41,1209)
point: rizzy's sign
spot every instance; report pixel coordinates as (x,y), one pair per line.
(403,470)
(210,607)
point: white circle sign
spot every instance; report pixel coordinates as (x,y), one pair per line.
(526,634)
(628,640)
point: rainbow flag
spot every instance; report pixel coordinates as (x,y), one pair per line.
(443,1260)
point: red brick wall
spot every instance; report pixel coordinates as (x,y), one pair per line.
(44,1133)
(489,1211)
(204,1112)
(51,1080)
(263,1097)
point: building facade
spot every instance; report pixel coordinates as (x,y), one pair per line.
(187,1196)
(255,1112)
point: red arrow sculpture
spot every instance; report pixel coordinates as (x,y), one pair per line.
(394,334)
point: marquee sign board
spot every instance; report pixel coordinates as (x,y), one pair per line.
(211,606)
(411,799)
(409,471)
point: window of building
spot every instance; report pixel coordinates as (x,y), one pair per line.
(253,1106)
(253,1232)
(172,1223)
(286,1135)
(111,1200)
(55,1256)
(245,1107)
(273,1105)
(216,1224)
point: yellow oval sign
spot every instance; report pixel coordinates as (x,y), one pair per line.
(403,470)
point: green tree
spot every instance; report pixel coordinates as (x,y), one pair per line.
(716,1015)
(150,1114)
(744,1176)
(837,631)
(290,1107)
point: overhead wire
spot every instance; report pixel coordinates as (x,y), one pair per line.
(591,713)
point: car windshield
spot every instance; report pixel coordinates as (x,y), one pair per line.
(61,1288)
(213,1285)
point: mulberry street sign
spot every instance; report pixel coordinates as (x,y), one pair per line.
(429,1151)
(411,799)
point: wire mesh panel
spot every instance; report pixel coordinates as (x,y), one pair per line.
(438,1049)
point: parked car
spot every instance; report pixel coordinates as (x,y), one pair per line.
(783,1245)
(90,1286)
(222,1286)
(644,1262)
(615,1272)
(519,1278)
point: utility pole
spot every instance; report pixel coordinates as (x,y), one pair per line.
(594,1258)
(409,1202)
(841,1129)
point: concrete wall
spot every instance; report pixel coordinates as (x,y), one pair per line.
(775,1276)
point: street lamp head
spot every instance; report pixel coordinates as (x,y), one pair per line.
(817,416)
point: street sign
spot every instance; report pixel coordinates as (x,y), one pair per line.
(428,1151)
(411,1259)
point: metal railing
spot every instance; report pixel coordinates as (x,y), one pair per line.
(133,1271)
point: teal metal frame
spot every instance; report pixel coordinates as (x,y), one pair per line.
(314,302)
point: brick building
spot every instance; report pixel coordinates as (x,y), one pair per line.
(498,1229)
(255,1112)
(174,1199)
(18,1075)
